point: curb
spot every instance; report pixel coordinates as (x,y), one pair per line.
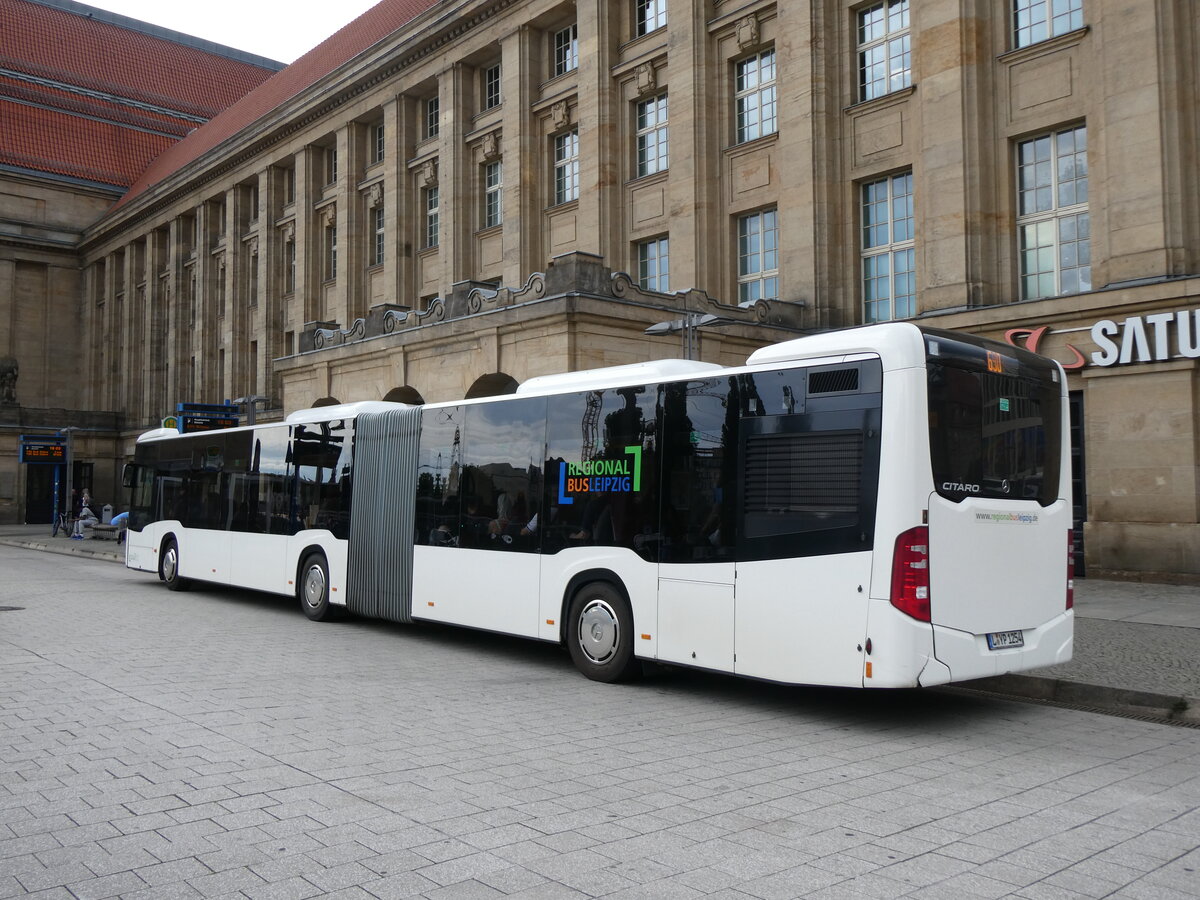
(1100,697)
(68,549)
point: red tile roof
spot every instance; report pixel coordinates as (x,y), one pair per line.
(83,148)
(99,96)
(102,56)
(374,25)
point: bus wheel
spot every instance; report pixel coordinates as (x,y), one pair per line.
(600,634)
(313,588)
(168,567)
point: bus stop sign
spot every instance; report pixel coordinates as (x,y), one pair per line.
(45,450)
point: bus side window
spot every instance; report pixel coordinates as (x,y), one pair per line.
(321,456)
(699,445)
(602,470)
(439,476)
(273,488)
(502,475)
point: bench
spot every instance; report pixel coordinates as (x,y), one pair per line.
(106,532)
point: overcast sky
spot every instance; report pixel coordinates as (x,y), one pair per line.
(277,29)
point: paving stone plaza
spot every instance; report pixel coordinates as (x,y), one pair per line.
(217,744)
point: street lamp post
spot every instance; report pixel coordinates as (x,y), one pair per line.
(689,325)
(69,431)
(251,404)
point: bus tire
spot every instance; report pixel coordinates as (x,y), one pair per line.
(600,634)
(168,567)
(312,588)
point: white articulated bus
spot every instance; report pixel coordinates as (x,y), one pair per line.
(883,506)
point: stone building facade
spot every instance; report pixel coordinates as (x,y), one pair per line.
(444,196)
(87,100)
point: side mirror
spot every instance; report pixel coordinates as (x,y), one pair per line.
(129,475)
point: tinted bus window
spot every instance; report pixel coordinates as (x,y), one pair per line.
(994,419)
(204,501)
(322,456)
(602,471)
(502,474)
(439,476)
(699,448)
(808,470)
(993,435)
(271,488)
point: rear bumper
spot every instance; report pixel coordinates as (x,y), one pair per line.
(967,655)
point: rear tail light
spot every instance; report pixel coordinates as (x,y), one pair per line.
(910,573)
(1070,569)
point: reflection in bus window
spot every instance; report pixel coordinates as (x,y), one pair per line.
(699,438)
(602,470)
(439,473)
(502,474)
(322,454)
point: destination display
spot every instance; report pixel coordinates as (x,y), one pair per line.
(193,417)
(49,451)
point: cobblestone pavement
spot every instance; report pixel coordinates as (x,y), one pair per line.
(1159,658)
(217,744)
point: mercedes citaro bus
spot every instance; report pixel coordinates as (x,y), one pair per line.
(883,506)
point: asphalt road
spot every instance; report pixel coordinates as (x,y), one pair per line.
(216,743)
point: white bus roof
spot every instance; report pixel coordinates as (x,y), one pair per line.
(617,376)
(299,417)
(899,342)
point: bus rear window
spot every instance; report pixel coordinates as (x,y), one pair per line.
(993,434)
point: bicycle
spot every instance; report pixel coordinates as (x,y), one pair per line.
(62,522)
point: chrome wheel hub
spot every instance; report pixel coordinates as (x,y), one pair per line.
(314,586)
(599,631)
(169,564)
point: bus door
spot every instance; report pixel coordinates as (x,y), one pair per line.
(259,514)
(808,480)
(479,490)
(696,596)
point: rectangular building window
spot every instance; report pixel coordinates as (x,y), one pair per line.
(754,95)
(493,187)
(758,257)
(377,246)
(651,135)
(649,15)
(253,379)
(432,229)
(330,252)
(1053,227)
(289,186)
(653,265)
(289,266)
(566,50)
(331,165)
(378,143)
(888,255)
(1037,20)
(433,117)
(491,86)
(566,167)
(884,49)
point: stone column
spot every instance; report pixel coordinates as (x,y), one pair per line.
(599,105)
(455,179)
(521,71)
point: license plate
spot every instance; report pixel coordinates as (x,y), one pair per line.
(1004,640)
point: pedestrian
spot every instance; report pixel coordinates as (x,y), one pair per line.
(86,519)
